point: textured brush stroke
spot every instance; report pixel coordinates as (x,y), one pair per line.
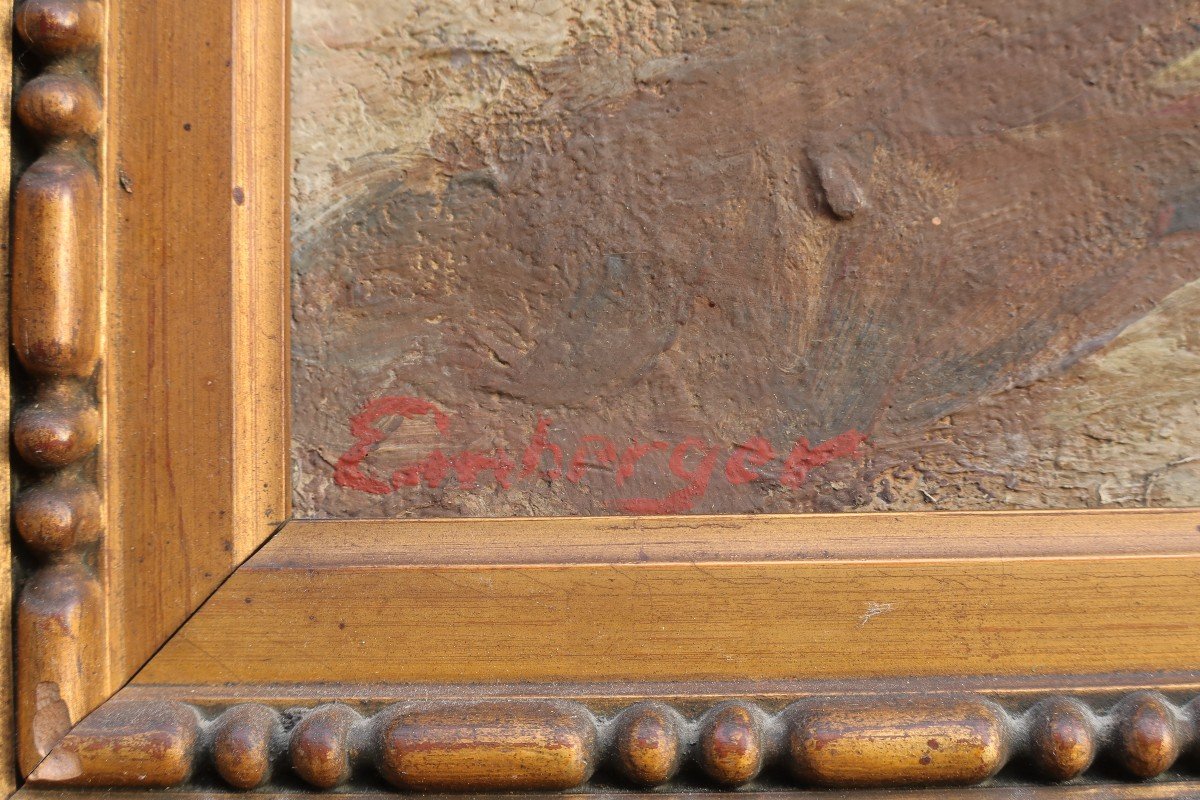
(669,221)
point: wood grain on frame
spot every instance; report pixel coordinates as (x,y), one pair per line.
(197,419)
(149,296)
(688,600)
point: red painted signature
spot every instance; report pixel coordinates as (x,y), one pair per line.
(693,461)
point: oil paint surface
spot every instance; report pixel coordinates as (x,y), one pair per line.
(560,257)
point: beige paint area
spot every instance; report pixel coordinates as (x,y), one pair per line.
(1131,415)
(375,82)
(1121,428)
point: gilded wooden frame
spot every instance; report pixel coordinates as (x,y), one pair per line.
(173,632)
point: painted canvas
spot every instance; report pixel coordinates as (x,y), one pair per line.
(561,257)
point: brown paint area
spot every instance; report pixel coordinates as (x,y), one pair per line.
(906,223)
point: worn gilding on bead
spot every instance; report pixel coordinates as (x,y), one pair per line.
(54,518)
(646,747)
(541,745)
(57,609)
(63,664)
(1147,736)
(322,751)
(1062,739)
(60,107)
(732,745)
(241,745)
(56,267)
(855,743)
(52,436)
(493,746)
(60,27)
(150,745)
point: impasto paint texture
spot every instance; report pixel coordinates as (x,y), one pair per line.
(561,257)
